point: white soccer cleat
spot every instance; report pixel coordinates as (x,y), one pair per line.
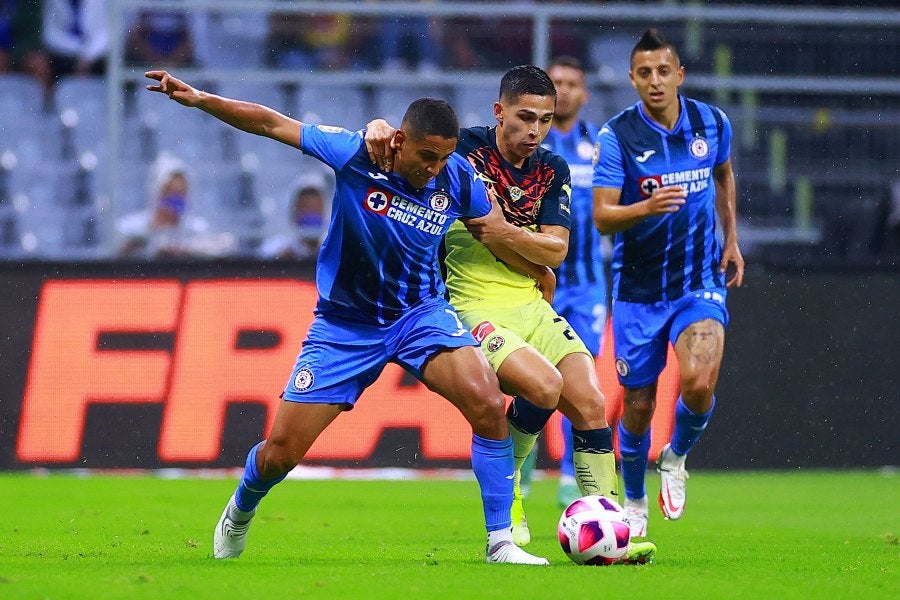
(230,535)
(508,553)
(637,513)
(673,478)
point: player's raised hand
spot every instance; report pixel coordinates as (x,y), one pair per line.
(665,200)
(731,254)
(380,144)
(174,88)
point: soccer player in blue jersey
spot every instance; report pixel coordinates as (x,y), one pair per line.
(381,299)
(580,280)
(663,173)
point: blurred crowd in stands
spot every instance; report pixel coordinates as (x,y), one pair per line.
(53,41)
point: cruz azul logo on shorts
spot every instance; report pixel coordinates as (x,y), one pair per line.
(622,367)
(439,201)
(495,343)
(303,380)
(482,330)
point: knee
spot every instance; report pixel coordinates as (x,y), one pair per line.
(641,408)
(698,387)
(276,458)
(485,408)
(545,391)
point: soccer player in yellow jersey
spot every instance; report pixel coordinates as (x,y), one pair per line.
(503,298)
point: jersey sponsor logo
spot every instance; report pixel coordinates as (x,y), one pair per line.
(303,380)
(439,201)
(693,180)
(377,201)
(495,343)
(422,218)
(699,148)
(645,156)
(482,330)
(622,367)
(377,176)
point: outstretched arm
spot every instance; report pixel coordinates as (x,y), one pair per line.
(247,116)
(726,208)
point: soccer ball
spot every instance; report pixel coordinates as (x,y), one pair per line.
(593,531)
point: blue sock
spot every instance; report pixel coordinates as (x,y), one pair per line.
(689,427)
(492,462)
(566,463)
(634,450)
(526,417)
(253,487)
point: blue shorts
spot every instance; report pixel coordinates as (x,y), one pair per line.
(341,358)
(642,332)
(584,307)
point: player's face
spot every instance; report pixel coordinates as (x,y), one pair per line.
(657,75)
(522,124)
(419,161)
(571,92)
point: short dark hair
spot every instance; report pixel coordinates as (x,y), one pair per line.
(652,40)
(430,116)
(567,61)
(526,79)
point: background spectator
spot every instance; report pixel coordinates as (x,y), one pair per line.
(20,39)
(308,220)
(164,229)
(303,41)
(160,37)
(75,36)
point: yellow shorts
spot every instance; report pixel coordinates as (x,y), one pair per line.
(502,331)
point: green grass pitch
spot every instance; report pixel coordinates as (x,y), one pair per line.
(797,534)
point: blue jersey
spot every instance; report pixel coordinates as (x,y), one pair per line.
(664,257)
(583,266)
(380,255)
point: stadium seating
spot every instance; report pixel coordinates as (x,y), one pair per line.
(474,103)
(390,102)
(342,105)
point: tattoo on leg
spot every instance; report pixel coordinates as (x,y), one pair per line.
(702,342)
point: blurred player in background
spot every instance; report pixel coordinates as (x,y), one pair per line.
(537,356)
(381,299)
(663,174)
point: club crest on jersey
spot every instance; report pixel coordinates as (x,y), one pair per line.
(699,148)
(622,367)
(515,193)
(303,380)
(495,343)
(439,201)
(649,185)
(482,330)
(377,201)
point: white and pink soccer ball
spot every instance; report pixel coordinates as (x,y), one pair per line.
(593,530)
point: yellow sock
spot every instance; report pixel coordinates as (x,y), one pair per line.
(596,474)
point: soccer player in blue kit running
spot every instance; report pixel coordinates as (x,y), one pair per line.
(381,299)
(662,175)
